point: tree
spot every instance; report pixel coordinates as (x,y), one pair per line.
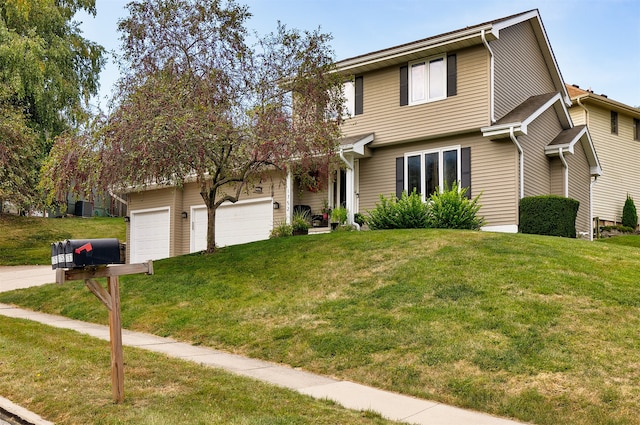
(48,72)
(197,102)
(629,213)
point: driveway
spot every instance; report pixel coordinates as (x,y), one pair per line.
(18,277)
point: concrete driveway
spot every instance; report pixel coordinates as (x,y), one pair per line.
(18,277)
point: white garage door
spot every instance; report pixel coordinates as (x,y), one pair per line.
(149,235)
(242,222)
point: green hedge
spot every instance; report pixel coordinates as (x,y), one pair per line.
(549,215)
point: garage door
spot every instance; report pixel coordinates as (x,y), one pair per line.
(242,222)
(149,235)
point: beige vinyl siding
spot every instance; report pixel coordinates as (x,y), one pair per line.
(579,180)
(619,157)
(315,200)
(393,123)
(536,164)
(493,175)
(520,70)
(556,175)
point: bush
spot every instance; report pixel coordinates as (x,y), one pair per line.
(549,215)
(408,212)
(629,214)
(281,230)
(339,215)
(452,209)
(447,210)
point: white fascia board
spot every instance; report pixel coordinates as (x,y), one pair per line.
(563,113)
(504,130)
(358,147)
(514,21)
(411,48)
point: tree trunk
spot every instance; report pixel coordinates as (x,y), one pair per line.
(211,228)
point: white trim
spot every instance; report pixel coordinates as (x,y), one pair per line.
(427,80)
(505,228)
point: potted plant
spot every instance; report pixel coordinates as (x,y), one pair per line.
(300,223)
(338,217)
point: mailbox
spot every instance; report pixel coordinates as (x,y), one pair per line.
(75,253)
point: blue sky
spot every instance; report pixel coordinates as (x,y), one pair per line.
(596,42)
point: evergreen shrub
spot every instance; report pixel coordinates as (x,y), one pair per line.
(549,215)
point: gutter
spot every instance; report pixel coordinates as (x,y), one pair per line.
(514,139)
(586,111)
(491,77)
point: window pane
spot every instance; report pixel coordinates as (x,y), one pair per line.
(436,78)
(349,98)
(418,72)
(450,168)
(413,174)
(431,177)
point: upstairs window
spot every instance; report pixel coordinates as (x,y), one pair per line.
(352,91)
(427,80)
(614,122)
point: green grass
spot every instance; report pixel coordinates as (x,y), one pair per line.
(541,329)
(27,240)
(65,377)
(625,240)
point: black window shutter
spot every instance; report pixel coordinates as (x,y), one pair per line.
(399,176)
(404,85)
(359,88)
(465,174)
(452,75)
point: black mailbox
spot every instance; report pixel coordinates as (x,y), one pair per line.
(76,253)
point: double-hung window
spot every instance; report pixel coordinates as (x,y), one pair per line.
(427,80)
(429,171)
(352,92)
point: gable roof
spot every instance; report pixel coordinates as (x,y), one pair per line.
(567,140)
(453,40)
(588,96)
(525,113)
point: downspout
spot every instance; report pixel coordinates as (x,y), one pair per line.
(595,179)
(514,139)
(350,191)
(586,111)
(566,172)
(491,78)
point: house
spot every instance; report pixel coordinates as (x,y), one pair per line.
(485,105)
(615,130)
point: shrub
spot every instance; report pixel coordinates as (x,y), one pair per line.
(408,212)
(339,215)
(281,230)
(629,214)
(300,221)
(359,218)
(452,209)
(549,215)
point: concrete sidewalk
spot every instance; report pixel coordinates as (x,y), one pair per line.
(348,394)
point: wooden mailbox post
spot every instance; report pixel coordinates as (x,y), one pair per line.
(111,299)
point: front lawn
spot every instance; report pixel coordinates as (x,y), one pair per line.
(27,240)
(65,378)
(537,328)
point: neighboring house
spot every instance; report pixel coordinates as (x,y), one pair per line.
(485,105)
(615,130)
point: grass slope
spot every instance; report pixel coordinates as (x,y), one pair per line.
(27,240)
(537,328)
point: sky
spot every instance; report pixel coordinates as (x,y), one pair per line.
(596,42)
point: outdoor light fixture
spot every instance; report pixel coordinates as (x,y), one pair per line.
(257,189)
(184,214)
(127,219)
(276,205)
